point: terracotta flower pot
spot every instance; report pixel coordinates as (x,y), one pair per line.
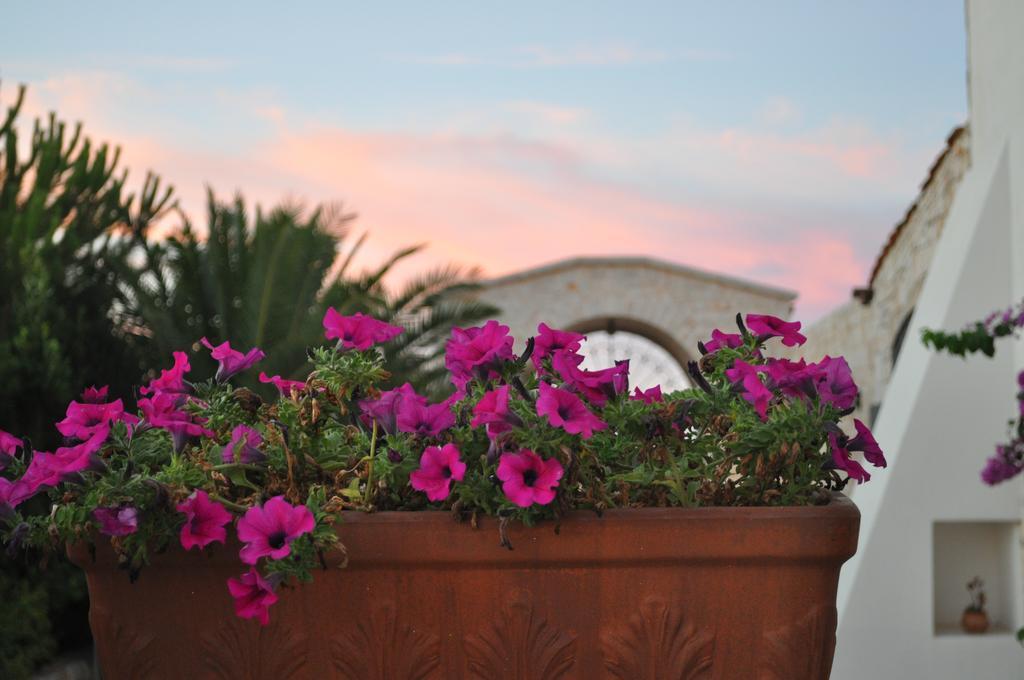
(974,622)
(657,593)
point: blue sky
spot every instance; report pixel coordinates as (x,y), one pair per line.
(775,141)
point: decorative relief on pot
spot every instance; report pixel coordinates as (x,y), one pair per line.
(657,643)
(378,647)
(520,645)
(242,648)
(124,652)
(802,650)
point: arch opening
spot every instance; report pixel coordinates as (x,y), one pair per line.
(655,358)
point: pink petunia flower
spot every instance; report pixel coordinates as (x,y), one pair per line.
(204,521)
(384,409)
(67,460)
(119,521)
(171,380)
(754,390)
(765,326)
(83,419)
(564,409)
(596,386)
(649,396)
(38,475)
(231,361)
(284,386)
(438,468)
(9,445)
(842,459)
(865,441)
(477,352)
(253,595)
(162,411)
(834,382)
(416,416)
(493,412)
(14,493)
(719,340)
(548,341)
(269,530)
(244,446)
(527,478)
(95,395)
(358,331)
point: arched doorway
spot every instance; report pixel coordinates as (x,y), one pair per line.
(654,357)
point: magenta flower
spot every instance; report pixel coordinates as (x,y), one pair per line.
(527,478)
(649,396)
(268,531)
(596,386)
(416,416)
(171,380)
(384,409)
(793,378)
(842,459)
(204,521)
(477,352)
(438,468)
(162,411)
(834,382)
(564,409)
(231,361)
(284,386)
(548,341)
(9,445)
(14,493)
(1007,463)
(719,340)
(95,395)
(865,441)
(754,390)
(765,327)
(68,460)
(358,331)
(493,412)
(83,419)
(253,596)
(119,521)
(38,475)
(244,446)
(181,425)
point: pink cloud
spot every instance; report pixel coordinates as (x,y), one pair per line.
(506,202)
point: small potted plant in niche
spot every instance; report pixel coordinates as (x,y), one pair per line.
(542,521)
(975,619)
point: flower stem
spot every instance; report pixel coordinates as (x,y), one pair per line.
(369,468)
(238,466)
(228,504)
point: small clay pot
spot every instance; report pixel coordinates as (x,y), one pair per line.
(974,622)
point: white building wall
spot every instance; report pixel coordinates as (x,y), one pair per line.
(941,416)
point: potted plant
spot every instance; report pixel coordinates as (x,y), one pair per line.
(975,620)
(542,521)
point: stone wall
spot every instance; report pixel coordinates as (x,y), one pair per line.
(673,305)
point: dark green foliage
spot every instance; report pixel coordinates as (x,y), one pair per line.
(67,225)
(266,281)
(26,640)
(978,338)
